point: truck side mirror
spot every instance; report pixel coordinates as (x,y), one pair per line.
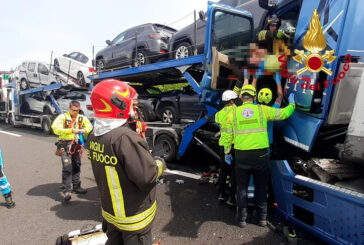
(65,55)
(268,4)
(108,42)
(202,15)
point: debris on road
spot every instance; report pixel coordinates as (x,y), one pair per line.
(180,181)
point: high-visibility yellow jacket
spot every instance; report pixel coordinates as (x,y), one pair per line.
(221,118)
(63,125)
(248,125)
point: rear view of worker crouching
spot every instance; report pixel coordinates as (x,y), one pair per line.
(248,124)
(124,169)
(71,127)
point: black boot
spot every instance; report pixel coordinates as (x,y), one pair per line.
(9,203)
(79,190)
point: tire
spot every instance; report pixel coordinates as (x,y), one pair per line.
(145,114)
(100,64)
(56,65)
(46,125)
(11,120)
(169,115)
(182,50)
(24,84)
(80,79)
(169,147)
(140,59)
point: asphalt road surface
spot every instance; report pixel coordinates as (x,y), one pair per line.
(188,213)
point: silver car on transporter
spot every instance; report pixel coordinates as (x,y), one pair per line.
(84,97)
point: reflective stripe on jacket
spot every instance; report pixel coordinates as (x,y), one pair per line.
(221,118)
(248,124)
(126,175)
(62,126)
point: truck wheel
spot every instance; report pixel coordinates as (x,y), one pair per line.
(168,146)
(169,115)
(11,120)
(183,50)
(24,84)
(46,125)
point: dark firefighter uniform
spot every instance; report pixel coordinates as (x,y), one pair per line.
(126,175)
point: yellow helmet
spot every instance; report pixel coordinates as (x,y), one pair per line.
(250,89)
(265,96)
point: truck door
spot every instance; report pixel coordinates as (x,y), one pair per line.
(228,33)
(312,96)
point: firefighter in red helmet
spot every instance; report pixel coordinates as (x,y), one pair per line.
(126,173)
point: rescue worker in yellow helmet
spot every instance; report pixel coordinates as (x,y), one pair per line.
(248,124)
(70,127)
(226,162)
(125,172)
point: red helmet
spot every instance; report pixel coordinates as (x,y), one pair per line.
(112,98)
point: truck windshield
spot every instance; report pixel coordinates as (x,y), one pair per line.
(230,31)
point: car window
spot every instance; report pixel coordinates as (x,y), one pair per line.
(69,96)
(24,64)
(73,55)
(119,38)
(42,69)
(82,58)
(160,28)
(230,31)
(31,66)
(79,96)
(130,33)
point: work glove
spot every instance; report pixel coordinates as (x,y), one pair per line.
(228,159)
(161,165)
(246,74)
(291,98)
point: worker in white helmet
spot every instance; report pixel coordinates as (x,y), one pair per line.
(226,163)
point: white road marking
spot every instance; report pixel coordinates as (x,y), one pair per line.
(181,173)
(16,135)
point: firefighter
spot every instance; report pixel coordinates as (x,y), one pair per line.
(5,186)
(71,127)
(266,37)
(226,163)
(125,171)
(138,121)
(248,124)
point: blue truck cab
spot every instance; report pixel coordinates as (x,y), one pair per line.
(329,108)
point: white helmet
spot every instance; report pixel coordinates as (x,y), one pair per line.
(229,95)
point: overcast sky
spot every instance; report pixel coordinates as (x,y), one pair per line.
(31,29)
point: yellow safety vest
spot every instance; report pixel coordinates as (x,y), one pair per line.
(62,126)
(248,124)
(221,118)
